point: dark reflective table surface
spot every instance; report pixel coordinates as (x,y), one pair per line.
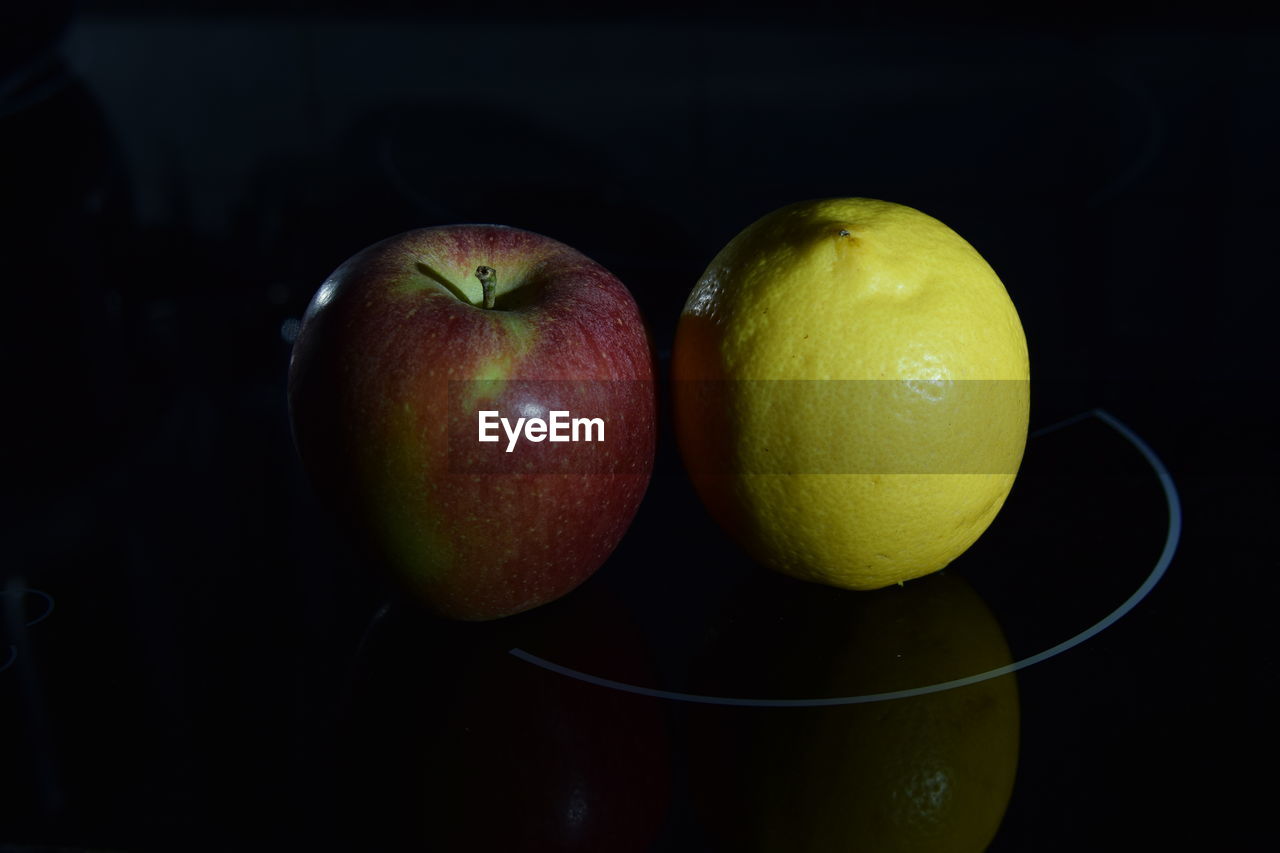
(197,658)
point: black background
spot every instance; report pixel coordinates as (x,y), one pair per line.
(179,177)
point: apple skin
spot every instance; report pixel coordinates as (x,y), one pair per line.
(388,374)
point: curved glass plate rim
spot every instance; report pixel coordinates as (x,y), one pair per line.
(1172,536)
(12,593)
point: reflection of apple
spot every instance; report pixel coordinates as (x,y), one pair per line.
(932,772)
(451,743)
(401,349)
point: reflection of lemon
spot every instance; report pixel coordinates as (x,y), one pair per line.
(857,482)
(927,773)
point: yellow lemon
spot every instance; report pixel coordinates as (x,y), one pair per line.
(851,392)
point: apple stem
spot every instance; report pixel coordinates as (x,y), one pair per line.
(489,284)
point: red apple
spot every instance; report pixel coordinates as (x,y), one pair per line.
(403,350)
